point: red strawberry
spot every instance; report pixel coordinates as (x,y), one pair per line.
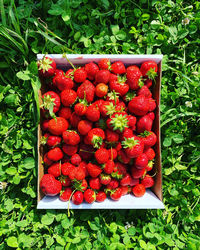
(80,185)
(118,68)
(141,161)
(87,90)
(91,69)
(119,85)
(144,123)
(122,157)
(131,121)
(148,83)
(113,184)
(80,75)
(86,152)
(101,90)
(77,173)
(100,196)
(139,105)
(137,173)
(116,194)
(133,146)
(147,181)
(125,190)
(84,127)
(58,125)
(104,63)
(102,76)
(65,112)
(108,167)
(70,149)
(105,179)
(134,76)
(107,108)
(96,137)
(111,136)
(93,170)
(126,180)
(51,140)
(51,102)
(152,104)
(46,160)
(139,190)
(45,125)
(112,153)
(49,185)
(70,73)
(150,153)
(68,97)
(127,133)
(118,122)
(113,77)
(66,194)
(119,170)
(83,165)
(65,181)
(95,183)
(76,159)
(151,115)
(149,166)
(134,181)
(98,103)
(55,154)
(149,69)
(46,67)
(71,137)
(77,198)
(102,155)
(80,108)
(92,113)
(118,146)
(55,169)
(149,139)
(74,120)
(89,196)
(144,90)
(63,82)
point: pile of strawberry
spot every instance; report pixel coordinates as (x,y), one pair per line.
(97,130)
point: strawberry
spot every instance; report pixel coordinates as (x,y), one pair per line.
(111,136)
(102,76)
(150,153)
(84,127)
(63,82)
(95,183)
(119,85)
(149,139)
(144,123)
(70,73)
(105,179)
(68,97)
(87,90)
(77,198)
(102,155)
(70,149)
(133,146)
(107,108)
(66,194)
(65,112)
(144,90)
(65,181)
(89,196)
(126,180)
(46,160)
(46,67)
(131,121)
(151,115)
(134,76)
(93,170)
(122,157)
(77,173)
(125,190)
(149,166)
(80,185)
(148,83)
(51,102)
(118,68)
(141,161)
(100,196)
(134,181)
(80,75)
(149,69)
(96,137)
(71,137)
(108,167)
(86,152)
(112,153)
(113,97)
(49,185)
(139,105)
(74,120)
(152,104)
(119,170)
(76,159)
(55,169)
(45,125)
(51,140)
(58,125)
(55,154)
(116,194)
(127,133)
(138,190)
(118,122)
(104,63)
(101,90)
(137,173)
(91,69)
(147,181)
(83,165)
(118,146)
(113,184)
(92,113)
(98,103)
(80,108)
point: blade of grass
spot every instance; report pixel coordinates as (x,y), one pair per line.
(3,15)
(14,21)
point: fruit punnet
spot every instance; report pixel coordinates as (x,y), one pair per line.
(97,130)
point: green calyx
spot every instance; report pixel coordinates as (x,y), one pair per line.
(102,124)
(129,142)
(97,141)
(110,109)
(140,83)
(77,185)
(121,79)
(150,163)
(113,95)
(45,64)
(130,95)
(145,134)
(117,175)
(43,140)
(48,104)
(119,122)
(151,74)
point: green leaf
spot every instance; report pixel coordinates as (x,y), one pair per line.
(23,75)
(47,219)
(29,163)
(11,170)
(178,138)
(60,240)
(167,142)
(115,29)
(143,244)
(132,231)
(12,242)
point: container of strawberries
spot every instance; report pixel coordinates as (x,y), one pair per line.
(99,134)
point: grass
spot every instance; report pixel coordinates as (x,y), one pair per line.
(81,26)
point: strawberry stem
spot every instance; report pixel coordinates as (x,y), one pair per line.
(65,56)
